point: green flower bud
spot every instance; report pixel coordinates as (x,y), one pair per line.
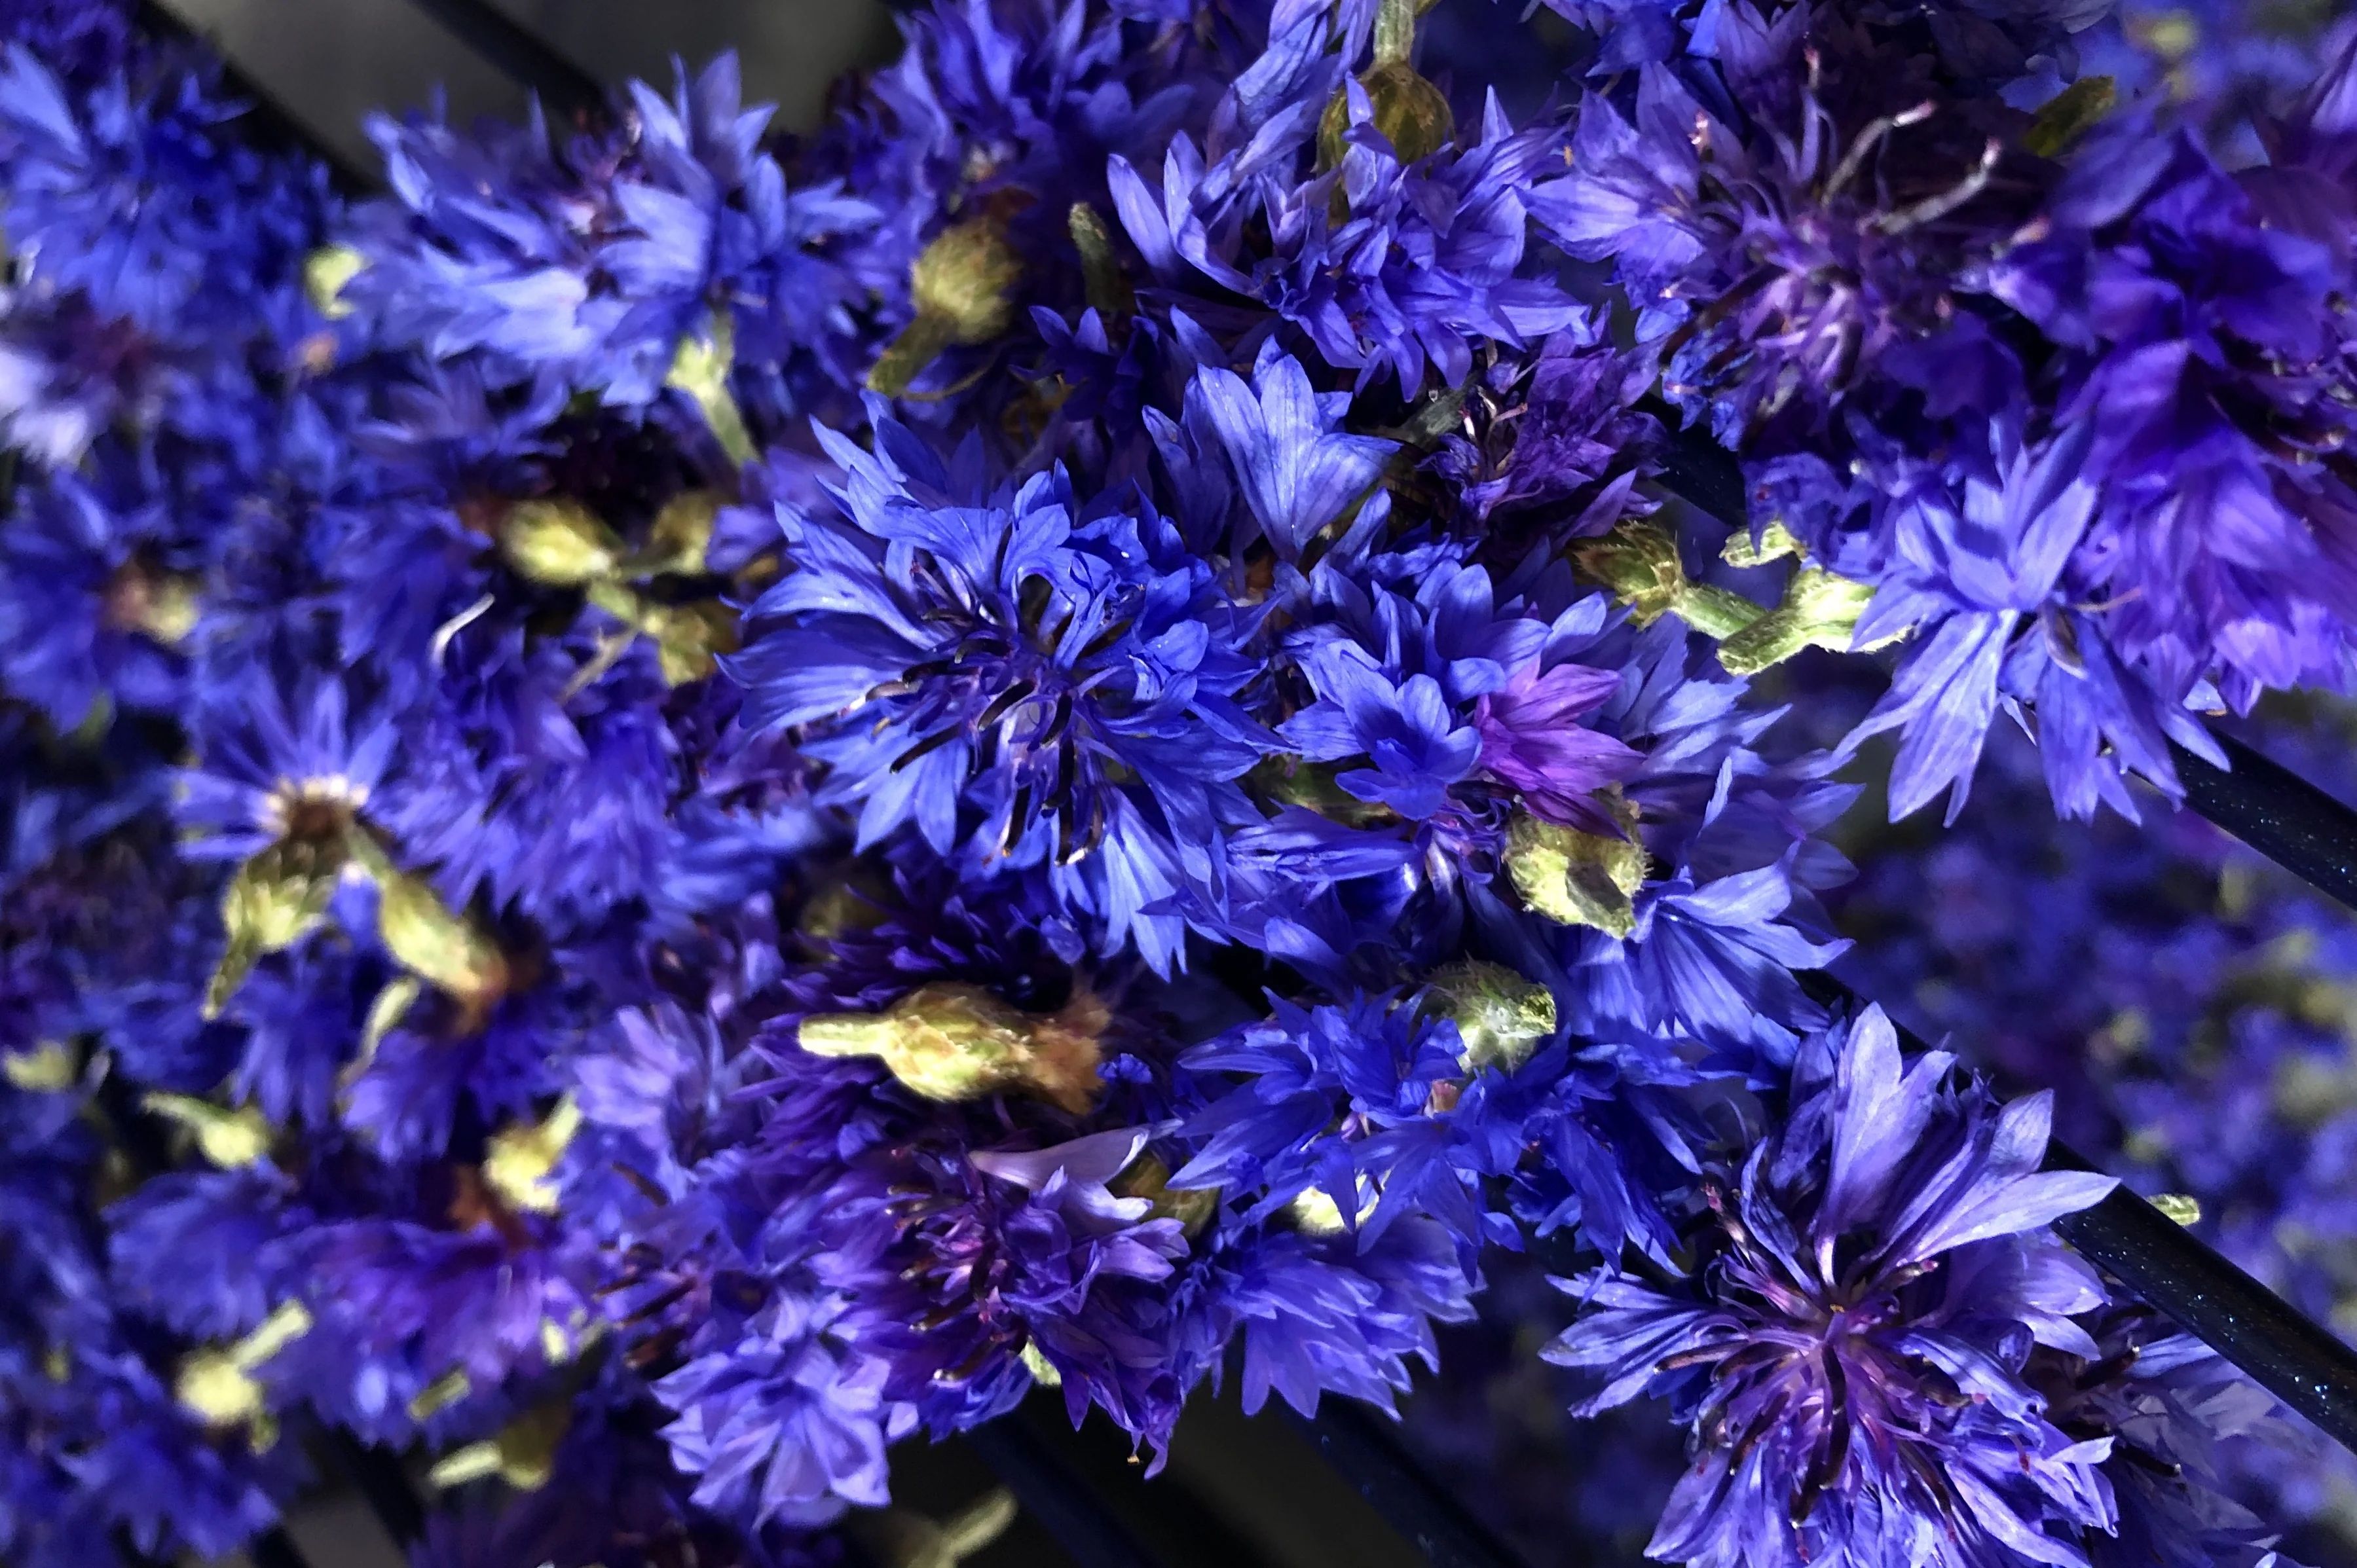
(1638,561)
(229,1138)
(962,285)
(700,369)
(1043,1372)
(1575,878)
(162,606)
(680,537)
(276,900)
(1108,290)
(2070,115)
(325,271)
(1149,1178)
(48,1069)
(440,1395)
(559,543)
(441,947)
(521,1158)
(1314,1212)
(524,1454)
(957,1042)
(1287,781)
(1819,610)
(1411,113)
(1775,543)
(217,1386)
(1500,1017)
(689,639)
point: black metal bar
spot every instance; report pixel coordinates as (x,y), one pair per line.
(1052,1493)
(2176,1273)
(2277,814)
(1356,1445)
(276,1548)
(523,58)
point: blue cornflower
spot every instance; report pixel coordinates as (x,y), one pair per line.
(1847,1352)
(96,593)
(1020,678)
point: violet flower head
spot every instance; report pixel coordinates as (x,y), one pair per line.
(1847,1351)
(1022,678)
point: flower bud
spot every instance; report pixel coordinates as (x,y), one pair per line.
(1411,114)
(559,543)
(1314,1212)
(1819,610)
(163,605)
(700,369)
(524,1454)
(2070,115)
(680,537)
(48,1069)
(276,900)
(1575,878)
(1108,291)
(1500,1017)
(325,271)
(1638,561)
(427,938)
(953,1041)
(689,639)
(229,1138)
(1043,1372)
(520,1160)
(217,1386)
(1149,1178)
(1775,543)
(962,285)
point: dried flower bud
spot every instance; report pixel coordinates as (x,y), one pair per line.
(700,369)
(276,900)
(1638,561)
(956,1042)
(521,1158)
(48,1069)
(427,938)
(1500,1017)
(560,542)
(963,288)
(325,271)
(1774,543)
(524,1454)
(229,1138)
(1149,1178)
(1819,610)
(1575,878)
(2070,115)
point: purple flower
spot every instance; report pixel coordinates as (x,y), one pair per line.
(992,668)
(1847,1352)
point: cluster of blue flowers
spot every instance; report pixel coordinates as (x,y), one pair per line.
(673,802)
